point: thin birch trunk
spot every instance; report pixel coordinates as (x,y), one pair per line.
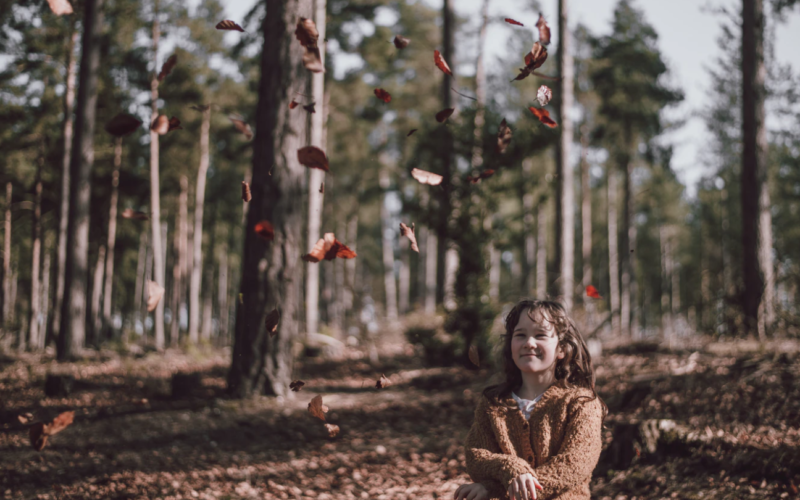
(404,281)
(8,303)
(36,259)
(340,287)
(140,277)
(541,256)
(179,264)
(586,210)
(387,246)
(197,247)
(442,239)
(666,311)
(97,291)
(222,294)
(528,229)
(108,289)
(350,265)
(494,264)
(613,253)
(208,303)
(627,244)
(155,189)
(565,211)
(431,259)
(44,302)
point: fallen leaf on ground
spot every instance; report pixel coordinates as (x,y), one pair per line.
(544,116)
(383,95)
(316,408)
(503,136)
(511,21)
(544,30)
(265,230)
(383,382)
(401,42)
(246,194)
(154,294)
(312,157)
(473,355)
(241,126)
(592,292)
(122,124)
(409,233)
(543,95)
(332,429)
(426,177)
(271,322)
(130,213)
(167,67)
(441,63)
(444,114)
(296,385)
(533,59)
(60,7)
(328,248)
(229,25)
(40,431)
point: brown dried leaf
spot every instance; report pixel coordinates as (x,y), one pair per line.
(161,125)
(60,7)
(246,194)
(409,233)
(332,429)
(544,30)
(296,385)
(473,355)
(167,67)
(444,114)
(229,26)
(312,157)
(154,294)
(401,42)
(426,177)
(544,116)
(39,432)
(310,107)
(241,126)
(122,124)
(533,59)
(441,63)
(511,21)
(316,408)
(293,104)
(543,95)
(306,32)
(383,95)
(130,213)
(273,318)
(328,248)
(503,136)
(383,382)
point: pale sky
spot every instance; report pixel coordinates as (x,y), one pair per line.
(687,39)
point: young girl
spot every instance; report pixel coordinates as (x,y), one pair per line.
(537,435)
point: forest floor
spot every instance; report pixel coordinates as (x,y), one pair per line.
(130,439)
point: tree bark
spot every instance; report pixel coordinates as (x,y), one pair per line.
(73,311)
(197,246)
(387,247)
(222,294)
(8,303)
(541,256)
(666,270)
(627,245)
(179,264)
(350,264)
(140,277)
(528,229)
(208,303)
(63,212)
(442,239)
(271,274)
(108,288)
(45,295)
(155,189)
(759,281)
(96,325)
(586,210)
(613,252)
(36,259)
(565,201)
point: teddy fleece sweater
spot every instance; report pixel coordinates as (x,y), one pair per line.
(560,444)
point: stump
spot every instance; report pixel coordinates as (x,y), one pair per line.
(647,438)
(185,384)
(56,386)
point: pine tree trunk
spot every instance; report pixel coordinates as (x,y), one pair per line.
(431,257)
(529,230)
(95,326)
(586,210)
(63,212)
(8,303)
(350,265)
(108,288)
(36,259)
(442,239)
(759,281)
(222,295)
(541,256)
(45,296)
(263,362)
(404,281)
(155,190)
(565,201)
(73,311)
(197,246)
(666,311)
(179,264)
(626,245)
(208,268)
(613,253)
(340,287)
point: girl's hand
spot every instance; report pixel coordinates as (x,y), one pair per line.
(474,491)
(524,487)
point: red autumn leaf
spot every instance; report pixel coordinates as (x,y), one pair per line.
(229,26)
(444,114)
(246,194)
(332,429)
(130,213)
(39,432)
(296,385)
(544,30)
(265,230)
(409,233)
(174,124)
(503,137)
(328,248)
(511,21)
(383,95)
(592,292)
(60,7)
(411,132)
(316,408)
(122,124)
(273,318)
(533,59)
(312,157)
(401,42)
(241,126)
(544,116)
(543,95)
(310,107)
(154,294)
(293,104)
(167,67)
(426,177)
(473,355)
(441,63)
(383,382)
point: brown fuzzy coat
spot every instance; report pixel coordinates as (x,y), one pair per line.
(560,444)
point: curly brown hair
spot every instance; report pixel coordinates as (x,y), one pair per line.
(575,368)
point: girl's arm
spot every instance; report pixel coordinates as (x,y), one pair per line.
(486,463)
(579,453)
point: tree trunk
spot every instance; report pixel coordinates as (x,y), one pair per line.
(613,252)
(155,190)
(541,257)
(45,296)
(73,310)
(404,281)
(528,229)
(97,290)
(495,264)
(179,264)
(263,362)
(208,303)
(666,269)
(108,289)
(759,282)
(63,212)
(442,239)
(431,257)
(140,278)
(387,246)
(339,287)
(36,259)
(627,297)
(8,303)
(222,295)
(565,201)
(586,210)
(197,246)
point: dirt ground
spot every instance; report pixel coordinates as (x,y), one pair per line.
(130,439)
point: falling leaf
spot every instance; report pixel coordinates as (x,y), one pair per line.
(444,114)
(473,355)
(483,175)
(174,124)
(544,116)
(543,95)
(167,67)
(441,63)
(241,126)
(333,430)
(322,188)
(316,408)
(154,294)
(39,432)
(310,107)
(592,292)
(273,318)
(383,382)
(293,104)
(426,177)
(533,59)
(411,132)
(511,21)
(328,248)
(544,30)
(60,7)
(296,385)
(401,42)
(122,124)
(312,157)
(246,194)
(306,32)
(383,95)
(161,125)
(265,230)
(503,136)
(130,213)
(409,233)
(312,60)
(229,26)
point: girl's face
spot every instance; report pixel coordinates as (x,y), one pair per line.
(534,344)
